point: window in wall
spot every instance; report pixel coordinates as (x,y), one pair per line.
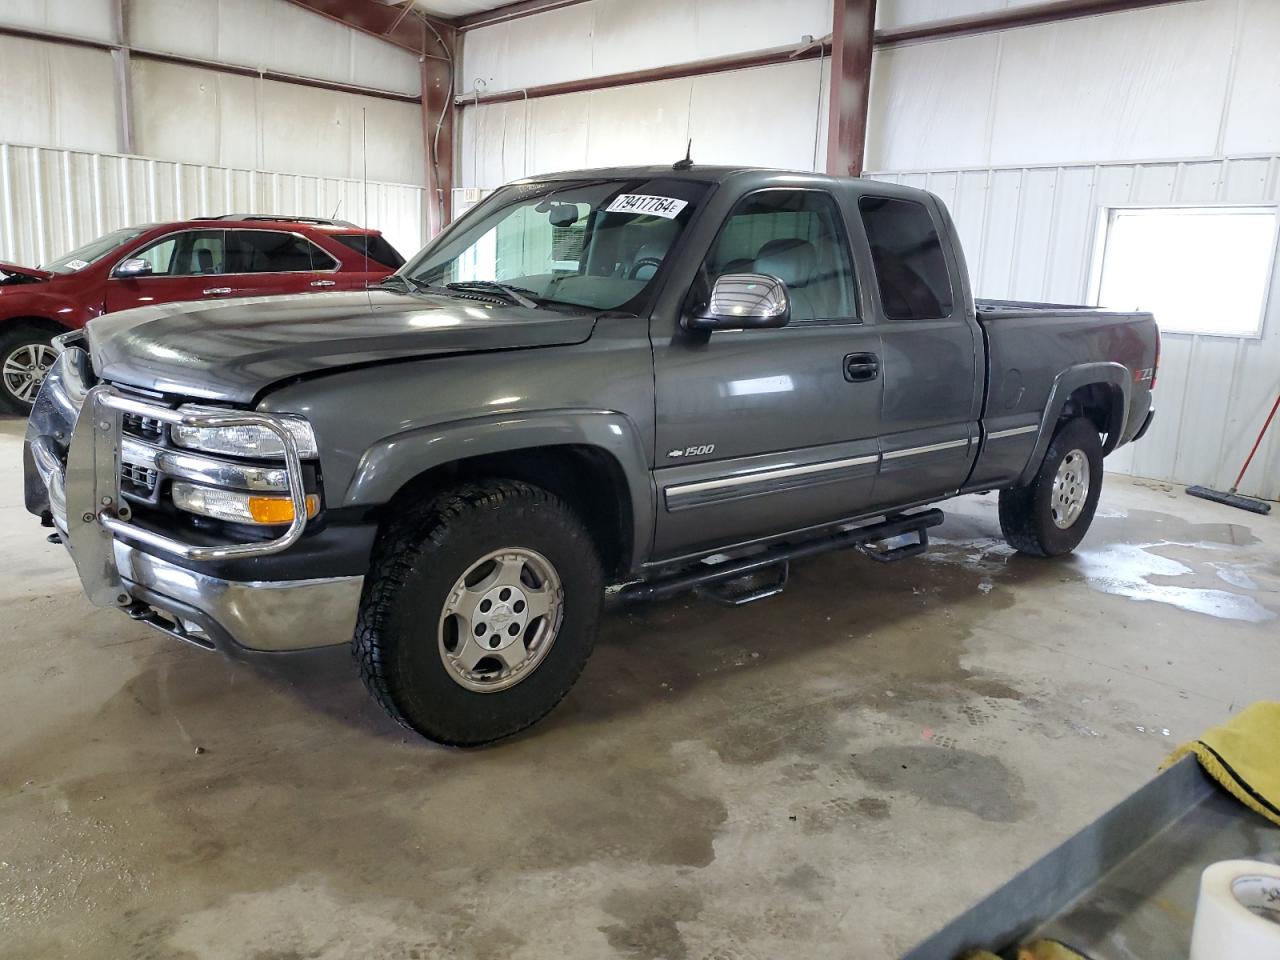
(911,269)
(1198,269)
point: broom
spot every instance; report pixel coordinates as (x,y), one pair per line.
(1231,498)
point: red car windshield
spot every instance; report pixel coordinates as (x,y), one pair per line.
(95,250)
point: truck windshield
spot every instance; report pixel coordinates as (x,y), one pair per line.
(94,250)
(583,243)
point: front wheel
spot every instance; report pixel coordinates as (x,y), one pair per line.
(1050,515)
(26,355)
(480,612)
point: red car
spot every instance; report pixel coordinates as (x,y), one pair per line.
(238,255)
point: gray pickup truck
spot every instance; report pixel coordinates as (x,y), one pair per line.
(624,383)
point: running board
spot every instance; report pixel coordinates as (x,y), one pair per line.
(876,541)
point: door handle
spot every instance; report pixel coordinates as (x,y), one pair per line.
(216,291)
(324,283)
(860,367)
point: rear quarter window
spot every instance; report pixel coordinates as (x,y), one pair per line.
(911,270)
(376,248)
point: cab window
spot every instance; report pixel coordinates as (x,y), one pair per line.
(797,236)
(911,270)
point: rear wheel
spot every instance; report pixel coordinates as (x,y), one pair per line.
(26,355)
(1050,516)
(480,612)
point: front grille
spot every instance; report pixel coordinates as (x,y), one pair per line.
(144,428)
(138,480)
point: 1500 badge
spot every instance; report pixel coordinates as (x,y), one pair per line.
(698,451)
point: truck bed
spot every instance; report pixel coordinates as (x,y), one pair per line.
(1012,309)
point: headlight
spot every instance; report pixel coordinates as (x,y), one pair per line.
(237,506)
(245,441)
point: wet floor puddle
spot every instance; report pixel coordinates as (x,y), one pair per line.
(1141,555)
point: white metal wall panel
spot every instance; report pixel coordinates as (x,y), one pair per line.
(1249,123)
(612,36)
(56,94)
(891,14)
(1029,234)
(767,116)
(1188,80)
(204,116)
(931,100)
(271,35)
(1150,83)
(53,200)
(94,19)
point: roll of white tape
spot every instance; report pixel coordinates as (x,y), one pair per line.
(1238,913)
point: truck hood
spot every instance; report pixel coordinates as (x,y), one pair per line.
(232,350)
(13,270)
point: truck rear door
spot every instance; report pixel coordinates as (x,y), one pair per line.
(931,349)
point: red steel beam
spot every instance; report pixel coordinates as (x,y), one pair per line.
(437,132)
(695,68)
(853,33)
(510,11)
(384,21)
(1028,16)
(216,65)
(941,29)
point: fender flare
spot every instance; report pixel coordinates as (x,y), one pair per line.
(390,463)
(1065,384)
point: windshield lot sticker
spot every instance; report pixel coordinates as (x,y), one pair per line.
(667,207)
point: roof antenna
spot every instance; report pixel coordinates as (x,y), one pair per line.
(687,162)
(336,209)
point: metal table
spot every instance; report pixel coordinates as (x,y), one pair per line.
(1124,887)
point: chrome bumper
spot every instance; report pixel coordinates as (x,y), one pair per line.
(226,614)
(73,461)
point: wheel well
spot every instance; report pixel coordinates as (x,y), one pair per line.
(32,323)
(586,478)
(1103,405)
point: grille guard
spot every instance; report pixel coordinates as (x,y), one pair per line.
(73,462)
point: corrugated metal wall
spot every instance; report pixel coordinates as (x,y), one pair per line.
(53,200)
(1029,234)
(63,96)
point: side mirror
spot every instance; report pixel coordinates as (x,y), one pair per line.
(744,301)
(137,267)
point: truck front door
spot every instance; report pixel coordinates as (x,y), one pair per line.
(933,356)
(764,431)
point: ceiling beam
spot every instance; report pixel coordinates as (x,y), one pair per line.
(126,52)
(510,11)
(1056,11)
(693,68)
(387,22)
(849,93)
(1031,15)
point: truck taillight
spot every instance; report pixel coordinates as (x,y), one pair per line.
(1155,364)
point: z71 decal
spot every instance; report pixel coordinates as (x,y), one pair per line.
(697,451)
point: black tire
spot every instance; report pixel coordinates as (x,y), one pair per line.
(14,342)
(1027,513)
(397,640)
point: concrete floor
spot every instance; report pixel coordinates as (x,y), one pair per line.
(831,773)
